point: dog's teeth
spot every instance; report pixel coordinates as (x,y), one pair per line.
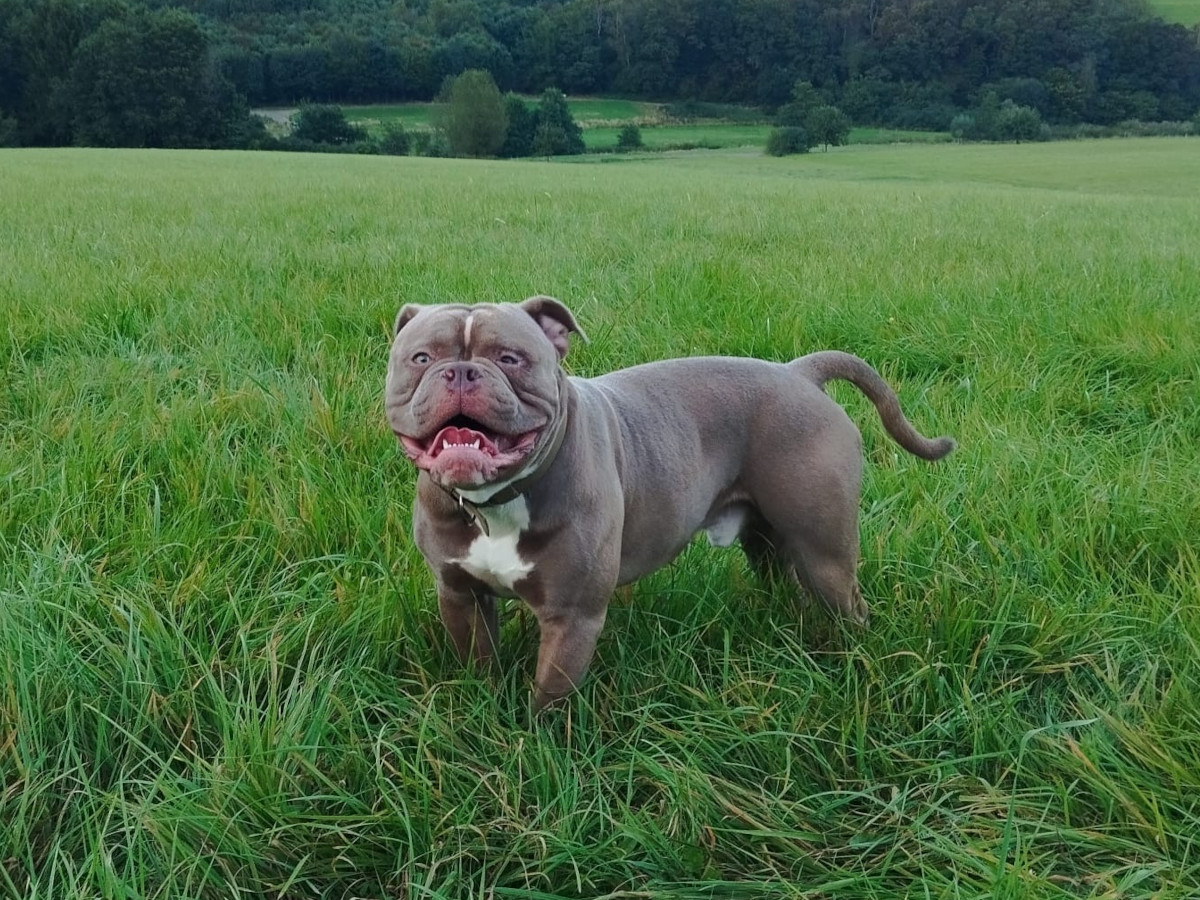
(445,445)
(475,446)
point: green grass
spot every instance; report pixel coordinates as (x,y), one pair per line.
(664,137)
(584,109)
(1186,12)
(723,135)
(602,118)
(221,669)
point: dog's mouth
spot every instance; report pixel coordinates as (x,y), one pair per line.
(466,453)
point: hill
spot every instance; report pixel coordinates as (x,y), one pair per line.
(83,71)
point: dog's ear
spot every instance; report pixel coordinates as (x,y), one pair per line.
(555,320)
(407,311)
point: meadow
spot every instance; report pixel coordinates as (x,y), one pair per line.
(601,120)
(221,667)
(1185,12)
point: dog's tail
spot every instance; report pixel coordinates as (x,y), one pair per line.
(830,364)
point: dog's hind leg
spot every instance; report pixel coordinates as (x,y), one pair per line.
(811,526)
(761,546)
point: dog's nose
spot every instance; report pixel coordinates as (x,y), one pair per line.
(461,375)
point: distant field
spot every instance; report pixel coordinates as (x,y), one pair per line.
(1186,12)
(584,110)
(601,120)
(222,672)
(718,135)
(658,137)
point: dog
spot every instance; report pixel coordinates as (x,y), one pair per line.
(557,489)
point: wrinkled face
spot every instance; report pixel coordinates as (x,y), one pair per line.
(471,389)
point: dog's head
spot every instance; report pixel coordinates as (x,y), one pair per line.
(474,392)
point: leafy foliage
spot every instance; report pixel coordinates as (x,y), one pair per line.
(556,133)
(898,63)
(324,124)
(993,120)
(827,125)
(474,118)
(394,140)
(630,138)
(787,140)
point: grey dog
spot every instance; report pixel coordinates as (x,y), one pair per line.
(556,489)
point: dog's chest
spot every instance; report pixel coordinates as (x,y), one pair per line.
(493,557)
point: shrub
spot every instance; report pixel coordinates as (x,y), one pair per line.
(325,124)
(962,127)
(9,132)
(787,140)
(522,123)
(430,143)
(394,140)
(690,110)
(630,138)
(1017,123)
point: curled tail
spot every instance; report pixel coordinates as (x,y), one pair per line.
(830,364)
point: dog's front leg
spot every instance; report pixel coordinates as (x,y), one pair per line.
(472,621)
(568,642)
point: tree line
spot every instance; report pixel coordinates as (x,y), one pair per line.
(184,72)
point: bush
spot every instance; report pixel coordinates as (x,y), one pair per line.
(324,124)
(522,123)
(1017,123)
(962,126)
(630,138)
(430,143)
(9,132)
(992,121)
(394,140)
(787,140)
(690,110)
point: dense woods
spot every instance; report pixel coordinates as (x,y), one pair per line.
(123,72)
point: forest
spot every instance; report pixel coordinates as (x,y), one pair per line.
(185,72)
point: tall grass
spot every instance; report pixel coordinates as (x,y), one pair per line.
(221,670)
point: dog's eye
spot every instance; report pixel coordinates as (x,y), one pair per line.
(421,358)
(509,359)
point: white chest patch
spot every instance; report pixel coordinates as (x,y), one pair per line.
(493,557)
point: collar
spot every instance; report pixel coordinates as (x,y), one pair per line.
(471,511)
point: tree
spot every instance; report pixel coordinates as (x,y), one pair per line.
(557,133)
(144,80)
(795,112)
(474,117)
(827,125)
(522,123)
(324,124)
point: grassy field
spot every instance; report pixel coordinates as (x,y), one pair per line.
(585,110)
(221,669)
(722,135)
(602,119)
(1186,12)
